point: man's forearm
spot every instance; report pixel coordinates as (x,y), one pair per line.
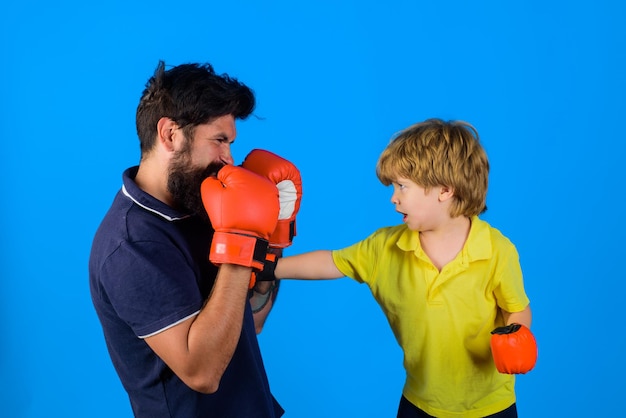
(215,332)
(262,301)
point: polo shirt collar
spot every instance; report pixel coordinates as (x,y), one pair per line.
(146,201)
(476,247)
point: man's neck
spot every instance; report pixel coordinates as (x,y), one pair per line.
(152,179)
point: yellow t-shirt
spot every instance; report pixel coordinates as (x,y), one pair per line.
(443,320)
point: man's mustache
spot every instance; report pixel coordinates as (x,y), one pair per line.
(212,169)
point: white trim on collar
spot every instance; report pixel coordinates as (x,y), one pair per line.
(169,218)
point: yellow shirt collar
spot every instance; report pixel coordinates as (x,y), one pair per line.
(476,247)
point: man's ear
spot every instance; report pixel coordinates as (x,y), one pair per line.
(166,130)
(445,193)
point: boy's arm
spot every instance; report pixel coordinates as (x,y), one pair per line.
(315,265)
(513,346)
(524,317)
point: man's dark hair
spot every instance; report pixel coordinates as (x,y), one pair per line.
(190,95)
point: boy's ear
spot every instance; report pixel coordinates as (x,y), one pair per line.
(445,193)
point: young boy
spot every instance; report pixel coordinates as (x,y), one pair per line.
(447,281)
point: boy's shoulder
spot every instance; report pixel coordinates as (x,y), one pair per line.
(387,232)
(484,231)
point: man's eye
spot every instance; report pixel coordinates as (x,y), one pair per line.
(220,141)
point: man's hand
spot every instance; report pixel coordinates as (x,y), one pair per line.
(287,179)
(243,208)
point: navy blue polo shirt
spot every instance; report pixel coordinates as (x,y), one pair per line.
(149,271)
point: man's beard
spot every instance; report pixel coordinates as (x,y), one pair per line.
(184,181)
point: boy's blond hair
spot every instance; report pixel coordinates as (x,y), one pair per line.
(438,153)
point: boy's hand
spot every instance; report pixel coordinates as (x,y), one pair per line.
(514,349)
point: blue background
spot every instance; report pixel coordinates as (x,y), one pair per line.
(543,82)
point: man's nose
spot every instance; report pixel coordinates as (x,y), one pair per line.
(225,155)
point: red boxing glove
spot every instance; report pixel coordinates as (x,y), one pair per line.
(287,179)
(243,208)
(514,349)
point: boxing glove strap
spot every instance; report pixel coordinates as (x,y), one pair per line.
(283,234)
(507,329)
(267,273)
(240,249)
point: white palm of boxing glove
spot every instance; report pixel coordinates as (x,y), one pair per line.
(289,184)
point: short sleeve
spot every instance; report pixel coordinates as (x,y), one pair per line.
(150,285)
(509,292)
(358,261)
